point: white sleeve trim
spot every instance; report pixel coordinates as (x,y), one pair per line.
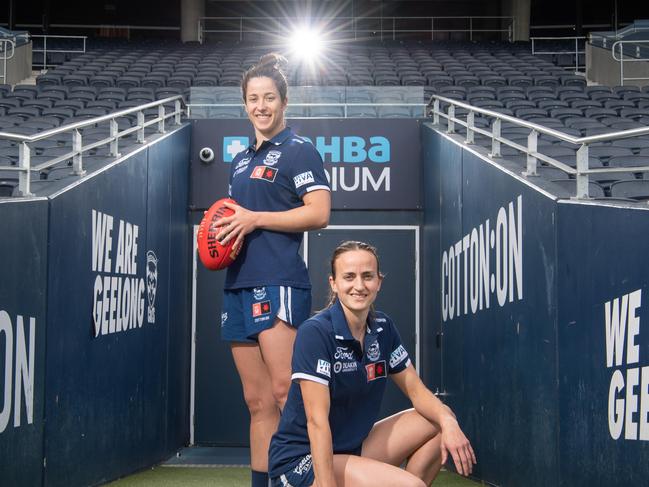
(319,380)
(316,187)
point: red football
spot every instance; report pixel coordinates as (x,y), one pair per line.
(213,255)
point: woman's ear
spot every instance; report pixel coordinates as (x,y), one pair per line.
(332,284)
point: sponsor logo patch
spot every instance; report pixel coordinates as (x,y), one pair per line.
(242,163)
(304,178)
(373,352)
(259,293)
(272,157)
(304,466)
(241,166)
(262,308)
(345,367)
(265,173)
(324,368)
(398,356)
(375,371)
(343,353)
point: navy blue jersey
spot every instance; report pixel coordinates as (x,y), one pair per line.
(326,352)
(273,178)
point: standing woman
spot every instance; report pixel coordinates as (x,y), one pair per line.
(327,435)
(282,189)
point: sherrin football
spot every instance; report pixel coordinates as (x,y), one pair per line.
(213,255)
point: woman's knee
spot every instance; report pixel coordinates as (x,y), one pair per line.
(280,391)
(259,402)
(417,483)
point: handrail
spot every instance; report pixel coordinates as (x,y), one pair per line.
(344,105)
(576,52)
(7,42)
(628,59)
(582,170)
(386,25)
(24,167)
(45,51)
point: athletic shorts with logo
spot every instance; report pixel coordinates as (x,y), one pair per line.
(249,311)
(301,475)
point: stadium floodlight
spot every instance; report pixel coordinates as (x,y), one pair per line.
(306,44)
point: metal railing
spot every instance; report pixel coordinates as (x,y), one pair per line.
(575,53)
(605,37)
(24,167)
(355,27)
(345,106)
(621,59)
(6,43)
(45,51)
(99,28)
(581,171)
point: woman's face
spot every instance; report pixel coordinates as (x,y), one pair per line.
(265,107)
(357,280)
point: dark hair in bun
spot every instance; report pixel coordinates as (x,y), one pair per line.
(272,66)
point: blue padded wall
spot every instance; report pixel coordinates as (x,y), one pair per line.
(551,380)
(176,152)
(108,379)
(23,287)
(603,259)
(498,359)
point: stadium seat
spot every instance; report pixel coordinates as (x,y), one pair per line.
(585,104)
(128,81)
(25,91)
(572,80)
(570,186)
(361,111)
(636,144)
(629,161)
(326,112)
(10,102)
(40,103)
(637,189)
(75,80)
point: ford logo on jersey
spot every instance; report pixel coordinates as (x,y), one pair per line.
(233,145)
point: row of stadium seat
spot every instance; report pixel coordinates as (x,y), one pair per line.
(509,80)
(357,66)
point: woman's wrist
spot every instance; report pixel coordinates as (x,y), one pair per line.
(448,421)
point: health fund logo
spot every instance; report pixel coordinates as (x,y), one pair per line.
(233,145)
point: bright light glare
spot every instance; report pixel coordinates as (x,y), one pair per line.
(306,44)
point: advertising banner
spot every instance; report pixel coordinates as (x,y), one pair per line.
(370,163)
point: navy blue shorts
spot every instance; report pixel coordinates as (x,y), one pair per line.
(247,312)
(299,476)
(302,474)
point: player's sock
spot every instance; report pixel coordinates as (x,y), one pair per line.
(259,479)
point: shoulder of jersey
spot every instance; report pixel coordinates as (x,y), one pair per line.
(382,320)
(321,321)
(296,139)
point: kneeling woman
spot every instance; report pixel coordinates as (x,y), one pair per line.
(327,435)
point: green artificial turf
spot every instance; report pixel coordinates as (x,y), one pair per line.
(230,477)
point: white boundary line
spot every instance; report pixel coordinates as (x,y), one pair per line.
(192,393)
